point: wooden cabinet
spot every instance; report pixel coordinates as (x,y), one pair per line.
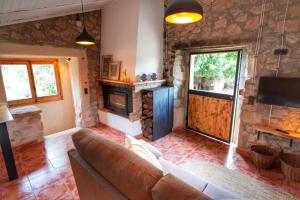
(158,108)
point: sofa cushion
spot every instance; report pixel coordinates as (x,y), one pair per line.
(139,148)
(171,188)
(129,173)
(185,176)
(152,148)
(215,192)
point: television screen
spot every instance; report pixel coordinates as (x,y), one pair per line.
(279,91)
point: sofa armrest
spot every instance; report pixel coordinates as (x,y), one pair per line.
(169,188)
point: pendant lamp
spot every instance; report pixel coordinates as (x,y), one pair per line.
(84,38)
(183,12)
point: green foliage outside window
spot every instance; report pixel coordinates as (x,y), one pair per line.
(216,65)
(16,81)
(45,82)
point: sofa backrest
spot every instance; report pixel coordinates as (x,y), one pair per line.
(90,184)
(127,172)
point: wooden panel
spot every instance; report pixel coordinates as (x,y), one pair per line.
(273,131)
(210,115)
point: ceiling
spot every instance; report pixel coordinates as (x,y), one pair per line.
(18,11)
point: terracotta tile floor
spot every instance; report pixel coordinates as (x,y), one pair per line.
(46,174)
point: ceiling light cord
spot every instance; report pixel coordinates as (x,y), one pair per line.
(279,56)
(83,18)
(282,36)
(258,42)
(84,38)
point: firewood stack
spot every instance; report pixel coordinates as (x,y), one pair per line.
(147,116)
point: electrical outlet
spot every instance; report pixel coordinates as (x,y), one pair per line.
(86,91)
(281,52)
(251,100)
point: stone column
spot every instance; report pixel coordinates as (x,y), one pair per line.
(179,77)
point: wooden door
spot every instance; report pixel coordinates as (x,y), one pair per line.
(210,115)
(211,100)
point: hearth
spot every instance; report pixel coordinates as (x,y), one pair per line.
(118,99)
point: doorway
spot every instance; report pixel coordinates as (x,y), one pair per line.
(213,91)
(74,79)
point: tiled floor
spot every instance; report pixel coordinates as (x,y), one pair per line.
(46,173)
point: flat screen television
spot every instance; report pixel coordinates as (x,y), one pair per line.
(279,91)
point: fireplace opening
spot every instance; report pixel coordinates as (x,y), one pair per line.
(118,99)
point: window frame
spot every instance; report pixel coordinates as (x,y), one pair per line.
(212,93)
(35,99)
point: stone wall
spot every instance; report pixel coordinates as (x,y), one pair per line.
(236,23)
(27,126)
(61,32)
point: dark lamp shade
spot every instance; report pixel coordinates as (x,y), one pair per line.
(184,12)
(85,38)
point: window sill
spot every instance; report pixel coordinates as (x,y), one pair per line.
(41,100)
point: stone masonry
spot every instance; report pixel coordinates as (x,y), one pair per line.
(61,32)
(27,125)
(235,23)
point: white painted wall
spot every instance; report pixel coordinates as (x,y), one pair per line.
(150,37)
(59,115)
(74,69)
(120,123)
(132,31)
(119,32)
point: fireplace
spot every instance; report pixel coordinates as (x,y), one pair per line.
(118,99)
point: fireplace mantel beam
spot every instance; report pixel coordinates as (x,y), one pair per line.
(130,84)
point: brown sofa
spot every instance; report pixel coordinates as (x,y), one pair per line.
(108,171)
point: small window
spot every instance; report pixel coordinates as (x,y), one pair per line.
(214,72)
(29,82)
(12,74)
(44,80)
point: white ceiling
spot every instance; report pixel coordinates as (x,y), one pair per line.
(18,11)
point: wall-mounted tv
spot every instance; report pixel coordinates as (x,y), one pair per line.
(279,91)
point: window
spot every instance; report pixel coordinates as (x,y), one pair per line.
(29,82)
(214,72)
